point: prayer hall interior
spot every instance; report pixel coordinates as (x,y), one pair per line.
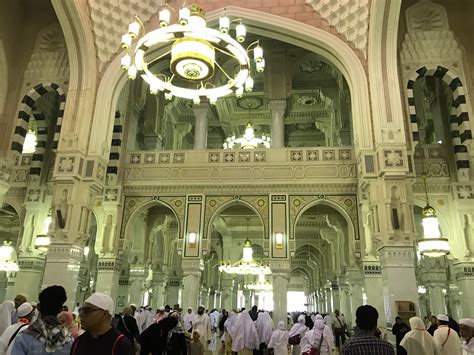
(340,174)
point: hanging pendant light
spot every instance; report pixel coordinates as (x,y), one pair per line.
(432,244)
(8,257)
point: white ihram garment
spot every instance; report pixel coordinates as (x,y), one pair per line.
(264,326)
(279,340)
(312,338)
(452,343)
(202,324)
(7,309)
(418,341)
(244,334)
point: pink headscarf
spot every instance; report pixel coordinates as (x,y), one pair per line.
(67,321)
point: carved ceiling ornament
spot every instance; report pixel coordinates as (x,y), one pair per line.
(110,18)
(427,16)
(51,40)
(349,17)
(428,38)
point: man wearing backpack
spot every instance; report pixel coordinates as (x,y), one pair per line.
(100,337)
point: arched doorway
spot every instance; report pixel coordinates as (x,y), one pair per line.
(151,271)
(229,230)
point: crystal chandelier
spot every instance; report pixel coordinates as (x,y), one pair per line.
(432,245)
(246,266)
(8,257)
(191,48)
(248,140)
(261,285)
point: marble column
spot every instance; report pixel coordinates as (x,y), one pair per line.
(235,296)
(200,126)
(280,290)
(327,291)
(398,279)
(218,303)
(62,268)
(373,287)
(336,297)
(172,293)
(354,280)
(345,297)
(108,275)
(191,283)
(464,273)
(28,278)
(436,298)
(137,279)
(212,298)
(277,110)
(159,289)
(248,299)
(226,293)
(204,297)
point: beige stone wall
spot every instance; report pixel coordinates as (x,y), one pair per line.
(19,26)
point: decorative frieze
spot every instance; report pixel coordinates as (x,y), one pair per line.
(397,256)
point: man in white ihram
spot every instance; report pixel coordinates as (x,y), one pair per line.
(188,320)
(202,324)
(446,339)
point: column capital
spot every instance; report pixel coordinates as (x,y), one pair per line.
(200,110)
(277,106)
(63,252)
(31,262)
(464,270)
(109,264)
(280,267)
(191,266)
(396,256)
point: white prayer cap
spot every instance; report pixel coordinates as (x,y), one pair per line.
(318,316)
(202,306)
(467,321)
(102,301)
(24,309)
(133,305)
(34,304)
(161,308)
(442,317)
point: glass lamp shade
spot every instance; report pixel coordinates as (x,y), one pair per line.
(434,247)
(247,252)
(29,146)
(192,59)
(8,257)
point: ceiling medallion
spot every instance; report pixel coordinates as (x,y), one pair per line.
(192,49)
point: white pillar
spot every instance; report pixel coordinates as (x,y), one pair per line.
(399,280)
(62,268)
(464,272)
(373,288)
(137,279)
(327,291)
(108,275)
(28,278)
(277,110)
(336,297)
(226,295)
(200,127)
(159,289)
(280,290)
(191,283)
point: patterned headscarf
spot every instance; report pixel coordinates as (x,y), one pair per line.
(50,333)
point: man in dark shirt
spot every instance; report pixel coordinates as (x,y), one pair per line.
(100,337)
(365,341)
(154,338)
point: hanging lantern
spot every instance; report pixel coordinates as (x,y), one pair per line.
(8,257)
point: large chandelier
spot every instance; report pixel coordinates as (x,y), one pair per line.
(249,140)
(192,49)
(261,285)
(432,245)
(8,257)
(246,266)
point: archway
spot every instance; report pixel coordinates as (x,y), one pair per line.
(271,26)
(323,249)
(151,271)
(229,228)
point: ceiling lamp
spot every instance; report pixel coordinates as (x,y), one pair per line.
(248,140)
(8,257)
(246,266)
(432,245)
(29,145)
(191,49)
(261,285)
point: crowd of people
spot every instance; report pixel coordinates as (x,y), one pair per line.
(27,328)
